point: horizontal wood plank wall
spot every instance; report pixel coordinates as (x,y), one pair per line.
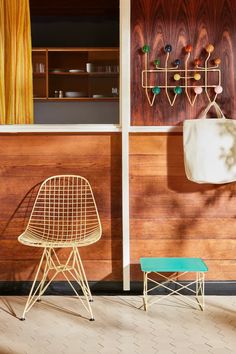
(26,160)
(179,22)
(173,217)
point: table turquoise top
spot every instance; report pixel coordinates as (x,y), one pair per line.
(171,264)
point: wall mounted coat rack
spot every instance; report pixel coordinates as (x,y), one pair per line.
(203,78)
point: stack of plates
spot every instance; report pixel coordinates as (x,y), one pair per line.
(74,94)
(98,96)
(57,71)
(75,71)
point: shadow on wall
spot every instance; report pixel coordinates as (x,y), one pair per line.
(15,225)
(228,131)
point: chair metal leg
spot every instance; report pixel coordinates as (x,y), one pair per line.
(79,276)
(30,301)
(80,265)
(45,274)
(82,280)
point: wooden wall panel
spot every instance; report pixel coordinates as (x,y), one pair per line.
(179,22)
(171,216)
(26,160)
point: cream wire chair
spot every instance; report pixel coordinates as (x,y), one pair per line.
(64,215)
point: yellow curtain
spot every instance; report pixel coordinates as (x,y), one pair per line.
(16,83)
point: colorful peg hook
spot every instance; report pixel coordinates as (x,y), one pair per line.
(176,81)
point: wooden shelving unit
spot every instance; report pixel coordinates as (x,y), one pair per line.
(51,73)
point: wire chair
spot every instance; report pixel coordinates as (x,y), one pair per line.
(64,215)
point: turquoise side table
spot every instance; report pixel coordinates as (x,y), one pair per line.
(177,267)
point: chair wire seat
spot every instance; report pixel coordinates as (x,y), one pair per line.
(64,214)
(27,238)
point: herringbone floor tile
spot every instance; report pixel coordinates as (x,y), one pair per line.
(59,325)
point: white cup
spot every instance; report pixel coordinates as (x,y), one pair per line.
(41,68)
(89,67)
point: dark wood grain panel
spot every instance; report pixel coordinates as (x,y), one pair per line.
(27,159)
(179,22)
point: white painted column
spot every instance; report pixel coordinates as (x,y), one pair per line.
(125,123)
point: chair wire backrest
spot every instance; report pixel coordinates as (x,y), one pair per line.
(65,211)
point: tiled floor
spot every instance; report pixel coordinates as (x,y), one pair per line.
(53,326)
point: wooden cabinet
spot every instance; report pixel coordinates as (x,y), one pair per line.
(88,74)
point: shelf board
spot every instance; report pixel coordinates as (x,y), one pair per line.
(86,99)
(76,99)
(96,74)
(83,49)
(39,49)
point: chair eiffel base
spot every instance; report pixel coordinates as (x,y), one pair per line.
(73,267)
